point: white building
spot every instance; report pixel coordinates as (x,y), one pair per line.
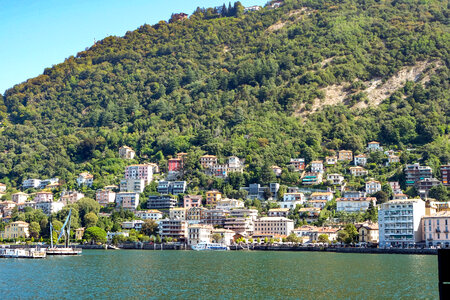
(50,207)
(19,197)
(335,179)
(360,160)
(126,152)
(199,233)
(244,213)
(322,196)
(177,213)
(152,214)
(135,224)
(274,225)
(228,204)
(317,166)
(132,185)
(373,186)
(127,200)
(105,197)
(374,146)
(85,179)
(399,222)
(31,183)
(358,171)
(354,204)
(142,171)
(2,187)
(43,197)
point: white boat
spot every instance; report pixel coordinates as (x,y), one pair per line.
(204,246)
(63,251)
(22,253)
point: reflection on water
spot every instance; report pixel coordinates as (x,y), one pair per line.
(188,274)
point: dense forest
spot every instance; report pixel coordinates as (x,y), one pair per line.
(226,82)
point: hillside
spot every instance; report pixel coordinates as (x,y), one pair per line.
(266,86)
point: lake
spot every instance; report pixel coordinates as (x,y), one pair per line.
(133,274)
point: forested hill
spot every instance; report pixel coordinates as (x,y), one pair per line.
(255,85)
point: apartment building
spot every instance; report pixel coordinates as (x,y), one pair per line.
(274,225)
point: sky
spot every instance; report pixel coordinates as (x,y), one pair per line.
(35,35)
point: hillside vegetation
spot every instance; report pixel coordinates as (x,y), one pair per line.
(252,85)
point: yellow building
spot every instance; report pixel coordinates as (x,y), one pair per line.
(212,197)
(16,230)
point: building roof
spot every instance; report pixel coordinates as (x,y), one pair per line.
(373,142)
(208,156)
(316,194)
(20,193)
(279,209)
(86,175)
(360,156)
(317,162)
(274,219)
(213,192)
(356,199)
(441,214)
(357,168)
(177,208)
(317,201)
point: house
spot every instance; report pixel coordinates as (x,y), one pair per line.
(192,201)
(240,225)
(208,160)
(368,232)
(423,186)
(278,212)
(310,178)
(255,191)
(252,8)
(399,222)
(19,197)
(416,172)
(85,179)
(435,229)
(354,194)
(43,197)
(373,186)
(126,152)
(155,167)
(354,204)
(31,183)
(215,217)
(49,208)
(400,196)
(276,170)
(174,164)
(395,186)
(276,4)
(317,166)
(306,233)
(177,213)
(358,171)
(71,197)
(393,159)
(273,188)
(317,203)
(235,163)
(174,229)
(310,214)
(161,202)
(151,214)
(298,164)
(335,179)
(274,225)
(134,224)
(171,187)
(24,205)
(331,160)
(229,204)
(360,160)
(105,197)
(2,187)
(199,233)
(195,215)
(226,235)
(47,183)
(14,230)
(132,185)
(178,17)
(374,146)
(79,232)
(445,171)
(328,196)
(244,213)
(345,155)
(140,171)
(290,200)
(110,236)
(212,197)
(127,200)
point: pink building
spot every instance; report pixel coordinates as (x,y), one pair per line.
(142,171)
(435,229)
(192,201)
(104,197)
(43,197)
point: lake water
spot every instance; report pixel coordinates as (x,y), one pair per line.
(133,274)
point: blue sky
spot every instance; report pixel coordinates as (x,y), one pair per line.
(37,34)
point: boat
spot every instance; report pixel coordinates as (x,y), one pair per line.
(22,253)
(205,246)
(65,231)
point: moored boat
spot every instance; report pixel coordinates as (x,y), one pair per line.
(22,253)
(204,246)
(65,231)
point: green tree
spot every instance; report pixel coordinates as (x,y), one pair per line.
(95,235)
(35,230)
(439,192)
(90,219)
(150,227)
(323,238)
